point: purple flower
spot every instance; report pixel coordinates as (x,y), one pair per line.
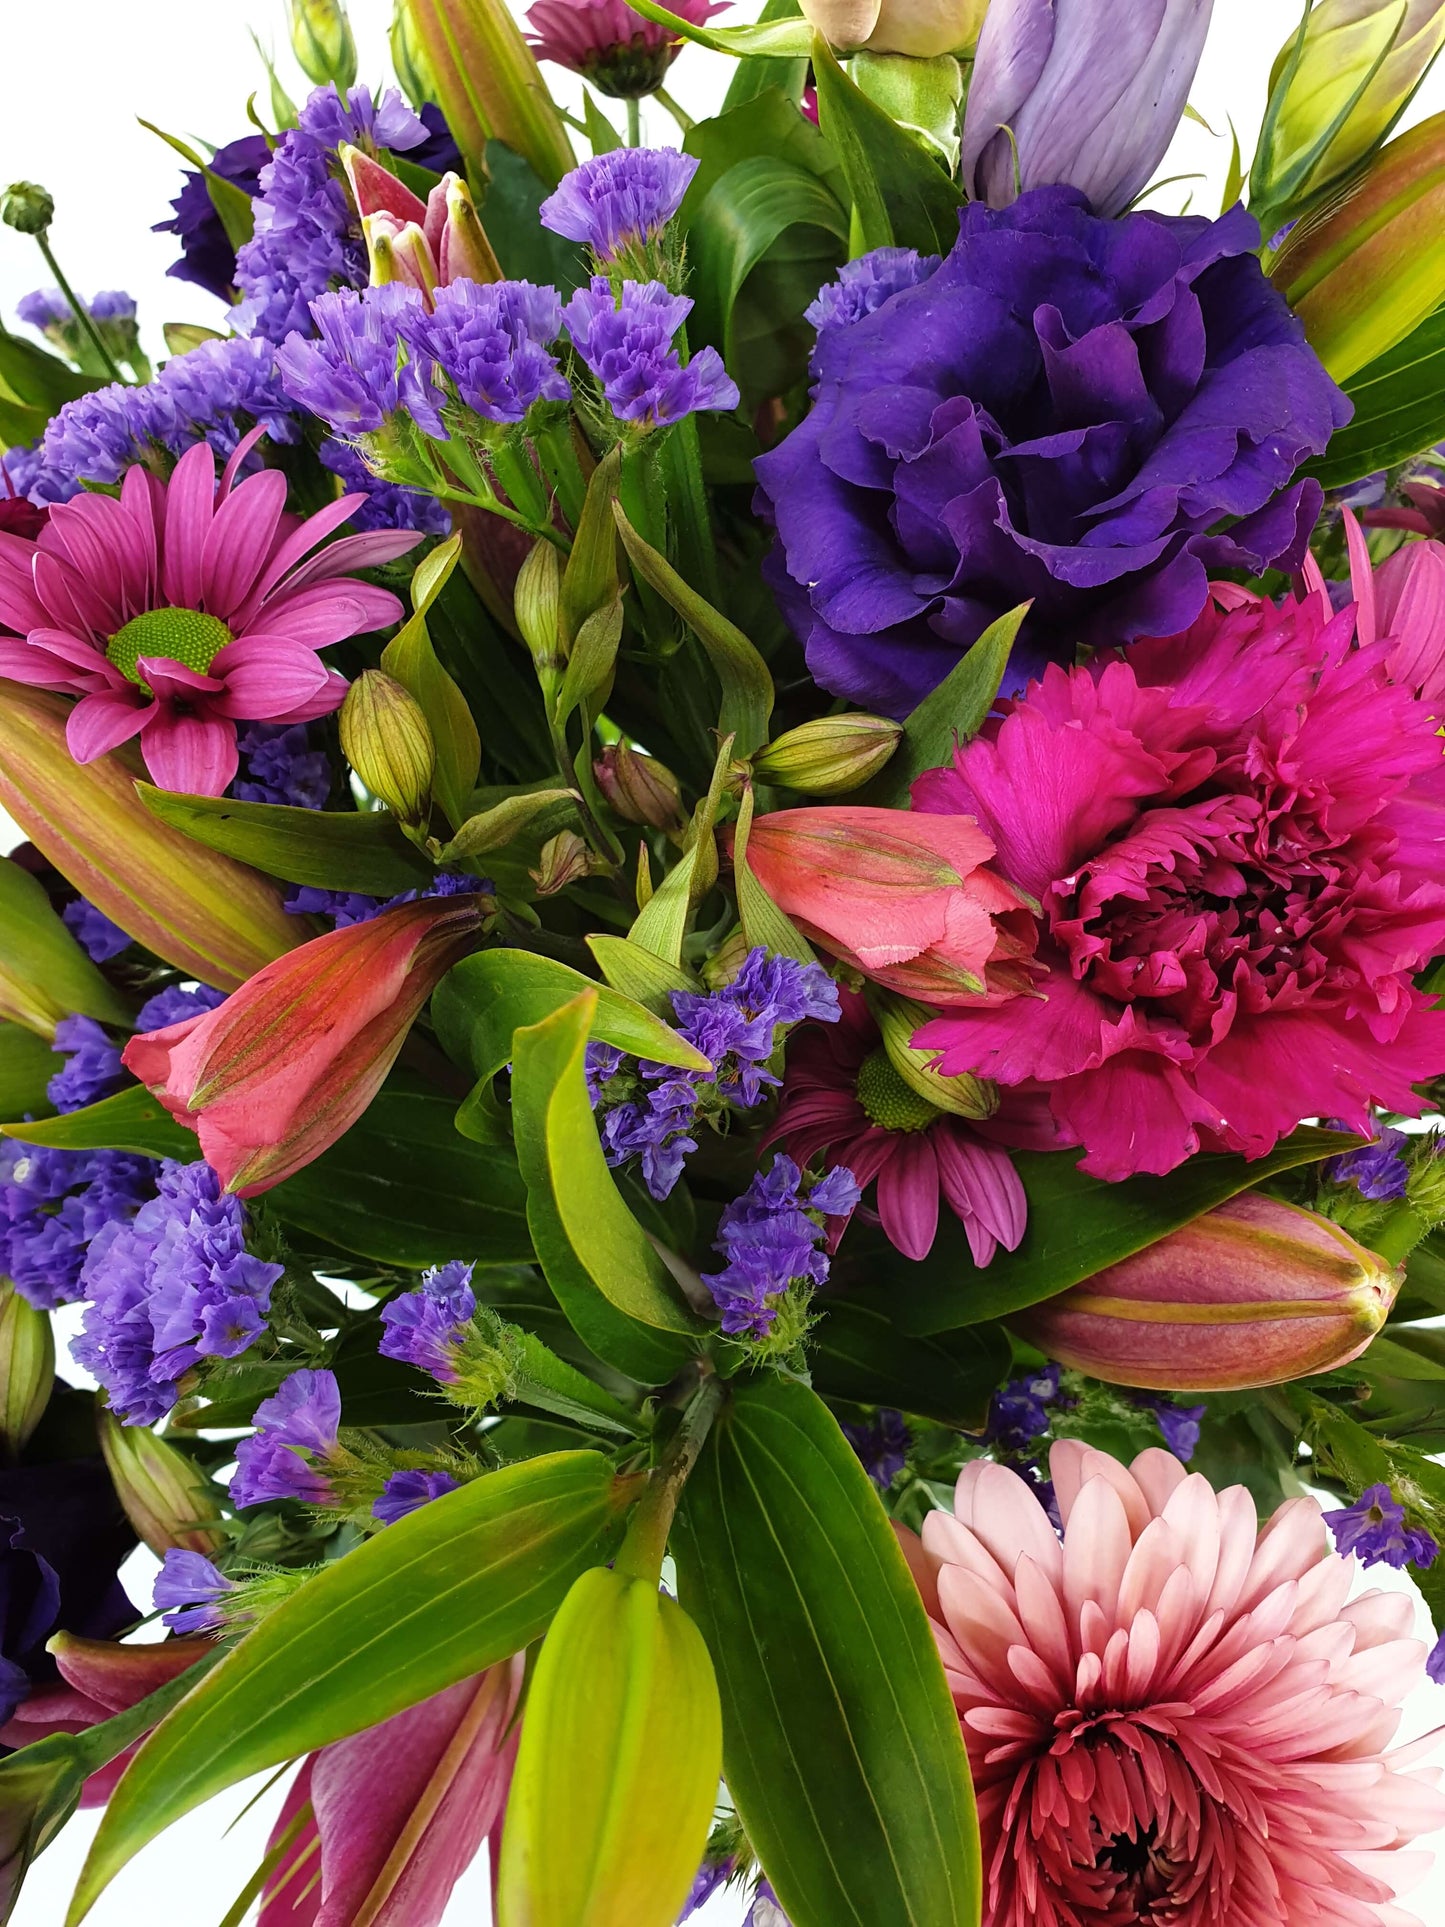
(1018,1412)
(492,345)
(865,284)
(52,1203)
(1435,1664)
(710,1878)
(626,341)
(620,202)
(405,1491)
(439,152)
(386,506)
(345,907)
(220,390)
(356,376)
(188,1589)
(1179,1423)
(1063,411)
(282,765)
(97,437)
(881,1443)
(44,308)
(361,121)
(93,1068)
(425,1327)
(93,930)
(174,1285)
(296,1427)
(304,241)
(772,1237)
(24,473)
(175,1004)
(1374,1529)
(207,257)
(765,1911)
(1378,1171)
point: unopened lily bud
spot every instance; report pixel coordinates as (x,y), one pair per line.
(463,252)
(898,1018)
(27,207)
(639,789)
(398,251)
(1367,269)
(166,1496)
(830,755)
(921,28)
(1256,1292)
(408,62)
(564,859)
(322,40)
(386,739)
(27,1368)
(539,612)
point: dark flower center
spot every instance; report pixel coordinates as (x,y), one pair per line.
(889,1102)
(186,636)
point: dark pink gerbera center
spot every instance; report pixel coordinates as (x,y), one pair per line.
(186,636)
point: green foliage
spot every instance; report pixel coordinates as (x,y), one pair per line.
(950,714)
(131,1120)
(47,968)
(34,385)
(901,195)
(27,1064)
(410,657)
(526,250)
(858,1353)
(360,850)
(753,75)
(1399,409)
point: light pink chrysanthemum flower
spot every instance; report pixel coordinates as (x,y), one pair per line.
(1173,1717)
(183,608)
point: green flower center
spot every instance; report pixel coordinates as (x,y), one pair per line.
(185,636)
(890,1102)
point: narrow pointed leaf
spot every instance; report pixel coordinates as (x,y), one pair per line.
(900,194)
(131,1120)
(773,39)
(640,973)
(42,961)
(27,1064)
(950,714)
(361,850)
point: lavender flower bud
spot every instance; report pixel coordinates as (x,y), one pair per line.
(167,1498)
(830,755)
(323,43)
(387,741)
(639,789)
(27,1368)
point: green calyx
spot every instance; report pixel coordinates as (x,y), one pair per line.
(185,636)
(888,1100)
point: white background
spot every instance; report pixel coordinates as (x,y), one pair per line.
(77,75)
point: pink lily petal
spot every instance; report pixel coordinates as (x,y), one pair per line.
(908,1195)
(325,702)
(239,541)
(292,1895)
(328,612)
(190,509)
(266,676)
(376,190)
(434,221)
(194,754)
(102,722)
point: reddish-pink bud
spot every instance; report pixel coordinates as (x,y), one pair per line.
(903,896)
(1253,1293)
(292,1059)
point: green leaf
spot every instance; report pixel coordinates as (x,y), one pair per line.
(542,812)
(132,1120)
(661,924)
(360,850)
(754,76)
(640,974)
(589,581)
(764,923)
(27,1064)
(777,39)
(232,204)
(841,1743)
(37,380)
(410,657)
(747,687)
(403,1187)
(602,135)
(43,969)
(447,1591)
(750,208)
(1077,1226)
(954,712)
(858,1353)
(901,196)
(621,1298)
(1399,409)
(526,249)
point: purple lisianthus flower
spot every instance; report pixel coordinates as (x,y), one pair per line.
(93,930)
(492,343)
(281,764)
(863,285)
(407,1491)
(772,1238)
(425,1327)
(881,1443)
(296,1428)
(357,376)
(93,1068)
(439,151)
(208,258)
(627,342)
(619,202)
(1068,410)
(1374,1529)
(188,1591)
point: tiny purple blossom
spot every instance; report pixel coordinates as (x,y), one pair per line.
(1378,1171)
(772,1243)
(1435,1664)
(425,1327)
(881,1442)
(188,1589)
(175,1004)
(357,376)
(93,930)
(1179,1423)
(93,1069)
(621,200)
(407,1491)
(1374,1529)
(865,284)
(710,1878)
(345,907)
(1018,1412)
(302,1417)
(492,345)
(281,764)
(626,339)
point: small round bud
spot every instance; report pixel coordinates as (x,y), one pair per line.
(829,756)
(27,1368)
(26,206)
(564,859)
(898,1019)
(639,789)
(388,742)
(322,41)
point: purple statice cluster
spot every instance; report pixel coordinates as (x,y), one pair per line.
(342,908)
(773,1239)
(427,1327)
(307,238)
(387,506)
(92,1067)
(93,930)
(355,374)
(171,1286)
(881,1443)
(188,1592)
(408,1491)
(1018,1413)
(1378,1171)
(650,1111)
(281,764)
(863,285)
(285,1457)
(177,1004)
(626,338)
(1374,1529)
(618,204)
(711,1877)
(52,1204)
(490,347)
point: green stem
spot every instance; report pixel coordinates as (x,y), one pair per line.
(634,123)
(79,309)
(684,120)
(646,1542)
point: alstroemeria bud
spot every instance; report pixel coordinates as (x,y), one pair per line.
(289,1062)
(830,755)
(903,895)
(386,739)
(488,83)
(539,613)
(408,62)
(1339,84)
(922,28)
(27,1368)
(27,207)
(323,43)
(564,859)
(208,915)
(166,1496)
(1367,269)
(1255,1292)
(639,789)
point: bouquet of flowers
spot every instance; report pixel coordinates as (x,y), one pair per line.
(721,1024)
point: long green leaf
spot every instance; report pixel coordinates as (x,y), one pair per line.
(41,957)
(776,39)
(841,1745)
(859,1353)
(27,1064)
(753,77)
(620,1297)
(451,1589)
(640,974)
(232,203)
(753,204)
(950,714)
(35,379)
(1399,409)
(132,1120)
(359,850)
(900,194)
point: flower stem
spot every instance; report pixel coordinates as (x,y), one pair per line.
(634,123)
(684,120)
(646,1542)
(79,309)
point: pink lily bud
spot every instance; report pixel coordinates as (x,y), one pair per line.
(398,251)
(376,190)
(285,1066)
(462,249)
(903,896)
(1255,1292)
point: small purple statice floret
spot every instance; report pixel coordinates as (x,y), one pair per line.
(492,343)
(407,1491)
(1374,1529)
(620,200)
(188,1590)
(772,1243)
(302,1417)
(93,1069)
(626,339)
(424,1327)
(93,930)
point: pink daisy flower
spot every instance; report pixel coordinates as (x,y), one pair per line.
(616,49)
(1171,1715)
(184,608)
(842,1095)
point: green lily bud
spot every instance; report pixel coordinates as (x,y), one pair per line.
(27,1368)
(386,739)
(27,207)
(323,43)
(538,606)
(830,755)
(1338,86)
(488,83)
(1364,271)
(639,789)
(166,1496)
(898,1019)
(408,62)
(618,1766)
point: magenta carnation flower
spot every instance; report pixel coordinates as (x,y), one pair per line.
(184,608)
(619,52)
(1236,840)
(1171,1715)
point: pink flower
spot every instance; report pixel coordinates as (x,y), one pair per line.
(1237,838)
(1170,1715)
(842,1095)
(620,53)
(184,608)
(1402,602)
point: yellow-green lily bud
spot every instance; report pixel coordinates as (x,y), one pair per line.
(322,40)
(166,1496)
(488,83)
(27,1368)
(408,62)
(830,755)
(899,1019)
(387,740)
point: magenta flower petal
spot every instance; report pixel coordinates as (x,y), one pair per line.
(326,613)
(295,545)
(190,510)
(328,698)
(20,607)
(366,551)
(102,722)
(908,1195)
(173,679)
(981,1184)
(195,754)
(240,539)
(267,676)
